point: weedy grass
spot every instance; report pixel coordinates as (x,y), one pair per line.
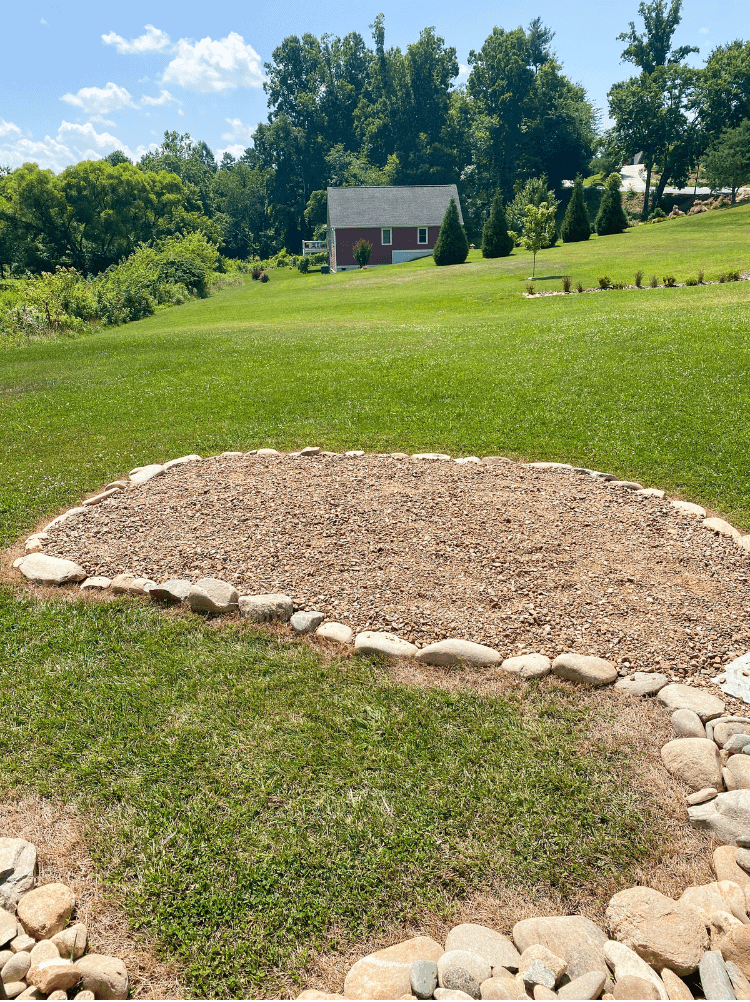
(251,796)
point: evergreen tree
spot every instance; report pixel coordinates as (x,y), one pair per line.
(451,246)
(576,225)
(495,239)
(611,217)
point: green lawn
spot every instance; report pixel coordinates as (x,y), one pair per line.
(251,795)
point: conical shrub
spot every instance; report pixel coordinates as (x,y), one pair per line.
(576,225)
(611,217)
(451,246)
(495,239)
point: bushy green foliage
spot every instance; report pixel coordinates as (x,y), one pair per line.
(362,251)
(611,217)
(496,241)
(451,246)
(539,229)
(576,225)
(534,191)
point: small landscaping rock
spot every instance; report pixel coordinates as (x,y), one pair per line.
(452,993)
(98,498)
(71,942)
(626,963)
(385,973)
(14,989)
(711,899)
(16,968)
(578,940)
(652,492)
(550,960)
(8,926)
(310,450)
(306,622)
(34,544)
(687,724)
(502,987)
(736,744)
(632,987)
(45,911)
(21,943)
(584,670)
(182,461)
(447,653)
(338,632)
(714,978)
(274,608)
(389,644)
(213,596)
(87,996)
(54,975)
(145,473)
(267,453)
(423,978)
(105,976)
(96,583)
(174,591)
(430,456)
(18,870)
(740,984)
(588,986)
(675,986)
(549,466)
(688,508)
(45,570)
(696,761)
(724,729)
(702,796)
(642,683)
(688,697)
(630,485)
(726,816)
(738,768)
(528,665)
(463,970)
(538,973)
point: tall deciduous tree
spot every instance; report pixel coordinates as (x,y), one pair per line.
(727,162)
(653,46)
(722,93)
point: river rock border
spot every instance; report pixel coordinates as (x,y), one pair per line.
(41,954)
(654,947)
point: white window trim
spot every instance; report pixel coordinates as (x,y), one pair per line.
(383,241)
(426,241)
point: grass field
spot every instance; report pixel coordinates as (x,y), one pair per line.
(252,794)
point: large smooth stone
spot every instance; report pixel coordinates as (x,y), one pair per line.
(45,570)
(389,644)
(175,590)
(720,896)
(213,595)
(661,931)
(338,632)
(385,973)
(696,761)
(106,977)
(306,622)
(18,870)
(588,986)
(726,816)
(686,697)
(497,950)
(738,768)
(626,963)
(273,608)
(714,978)
(687,724)
(57,974)
(642,683)
(576,939)
(688,508)
(182,461)
(8,929)
(721,528)
(45,911)
(447,653)
(677,990)
(71,942)
(146,473)
(584,670)
(734,943)
(727,868)
(528,665)
(724,730)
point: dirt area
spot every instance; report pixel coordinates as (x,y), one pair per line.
(506,555)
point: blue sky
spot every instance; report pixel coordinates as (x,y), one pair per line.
(79,81)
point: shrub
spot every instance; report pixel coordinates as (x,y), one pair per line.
(264,277)
(566,283)
(691,281)
(576,225)
(638,279)
(362,251)
(255,274)
(605,282)
(701,273)
(304,265)
(529,288)
(669,281)
(611,217)
(451,246)
(729,276)
(579,287)
(654,283)
(496,241)
(618,285)
(657,215)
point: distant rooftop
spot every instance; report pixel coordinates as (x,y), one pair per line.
(381,205)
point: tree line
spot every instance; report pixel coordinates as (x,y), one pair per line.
(342,112)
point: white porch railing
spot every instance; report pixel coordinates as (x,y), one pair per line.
(314,247)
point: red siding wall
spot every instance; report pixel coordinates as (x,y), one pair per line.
(403,237)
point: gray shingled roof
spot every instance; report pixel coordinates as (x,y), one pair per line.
(414,205)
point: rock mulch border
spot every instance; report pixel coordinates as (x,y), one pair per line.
(41,954)
(654,947)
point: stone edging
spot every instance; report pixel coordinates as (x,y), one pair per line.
(655,941)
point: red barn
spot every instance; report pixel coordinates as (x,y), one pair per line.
(400,223)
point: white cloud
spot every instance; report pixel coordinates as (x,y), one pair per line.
(463,74)
(239,131)
(8,129)
(154,40)
(42,21)
(164,98)
(101,120)
(237,150)
(100,100)
(72,143)
(704,31)
(212,66)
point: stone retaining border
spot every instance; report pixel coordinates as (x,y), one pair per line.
(654,941)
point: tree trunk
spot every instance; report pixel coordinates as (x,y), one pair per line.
(644,212)
(734,195)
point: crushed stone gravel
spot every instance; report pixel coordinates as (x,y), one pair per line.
(504,555)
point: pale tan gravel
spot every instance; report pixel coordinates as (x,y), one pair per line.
(505,555)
